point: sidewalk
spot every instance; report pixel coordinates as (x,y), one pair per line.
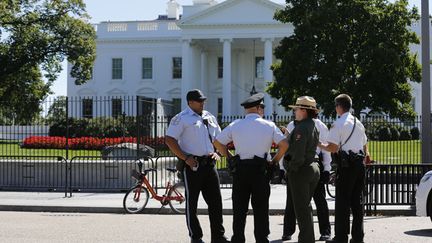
(112,203)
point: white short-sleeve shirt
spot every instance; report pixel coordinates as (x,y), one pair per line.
(191,133)
(341,129)
(252,136)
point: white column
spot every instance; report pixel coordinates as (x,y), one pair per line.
(240,80)
(186,71)
(204,75)
(268,73)
(226,85)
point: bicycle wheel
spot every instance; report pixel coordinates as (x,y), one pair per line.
(178,190)
(136,199)
(332,182)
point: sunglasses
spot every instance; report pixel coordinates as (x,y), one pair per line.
(261,106)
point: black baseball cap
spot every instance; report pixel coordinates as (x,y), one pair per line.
(195,95)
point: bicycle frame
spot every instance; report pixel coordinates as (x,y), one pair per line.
(163,198)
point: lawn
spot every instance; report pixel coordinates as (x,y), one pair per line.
(385,152)
(396,152)
(14,149)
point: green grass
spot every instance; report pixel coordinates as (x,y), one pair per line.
(384,152)
(396,152)
(14,149)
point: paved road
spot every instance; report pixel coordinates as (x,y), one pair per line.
(75,227)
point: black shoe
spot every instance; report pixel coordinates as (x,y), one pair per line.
(356,241)
(197,241)
(334,241)
(222,239)
(286,237)
(324,237)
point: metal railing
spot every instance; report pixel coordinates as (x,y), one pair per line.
(390,185)
(33,173)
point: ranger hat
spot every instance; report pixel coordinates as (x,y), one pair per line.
(254,100)
(195,95)
(305,102)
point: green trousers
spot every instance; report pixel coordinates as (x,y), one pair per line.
(302,184)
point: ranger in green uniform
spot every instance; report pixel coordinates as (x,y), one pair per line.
(300,163)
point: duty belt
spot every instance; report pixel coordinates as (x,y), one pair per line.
(204,160)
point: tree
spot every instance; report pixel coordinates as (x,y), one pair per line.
(57,110)
(358,47)
(35,37)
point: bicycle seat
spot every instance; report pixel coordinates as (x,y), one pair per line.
(172,170)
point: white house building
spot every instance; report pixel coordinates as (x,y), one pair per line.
(224,49)
(221,48)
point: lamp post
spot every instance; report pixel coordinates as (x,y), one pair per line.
(426,99)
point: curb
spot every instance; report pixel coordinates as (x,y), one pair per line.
(167,211)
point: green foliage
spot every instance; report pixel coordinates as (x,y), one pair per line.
(35,37)
(394,133)
(415,133)
(405,135)
(96,127)
(384,134)
(358,47)
(57,110)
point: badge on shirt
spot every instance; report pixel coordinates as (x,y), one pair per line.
(298,136)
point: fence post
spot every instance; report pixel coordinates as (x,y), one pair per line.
(138,124)
(274,116)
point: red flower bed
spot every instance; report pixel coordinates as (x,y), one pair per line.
(90,143)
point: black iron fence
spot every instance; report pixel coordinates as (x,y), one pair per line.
(117,126)
(390,185)
(86,143)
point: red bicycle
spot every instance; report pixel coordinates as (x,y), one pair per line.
(137,197)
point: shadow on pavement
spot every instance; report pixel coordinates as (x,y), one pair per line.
(422,232)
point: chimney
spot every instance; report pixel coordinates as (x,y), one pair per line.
(173,9)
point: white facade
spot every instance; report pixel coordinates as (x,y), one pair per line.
(234,30)
(239,31)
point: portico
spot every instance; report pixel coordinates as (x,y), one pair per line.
(243,35)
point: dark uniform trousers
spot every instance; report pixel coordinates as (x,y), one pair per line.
(250,182)
(319,198)
(301,188)
(205,180)
(349,189)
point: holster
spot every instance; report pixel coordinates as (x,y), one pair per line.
(233,163)
(180,165)
(345,160)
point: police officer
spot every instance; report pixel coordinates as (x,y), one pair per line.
(190,136)
(347,137)
(319,196)
(252,137)
(300,163)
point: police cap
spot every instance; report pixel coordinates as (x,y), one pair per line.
(195,95)
(254,100)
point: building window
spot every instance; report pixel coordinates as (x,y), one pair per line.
(87,108)
(259,67)
(117,68)
(220,107)
(116,107)
(177,67)
(147,68)
(220,67)
(176,105)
